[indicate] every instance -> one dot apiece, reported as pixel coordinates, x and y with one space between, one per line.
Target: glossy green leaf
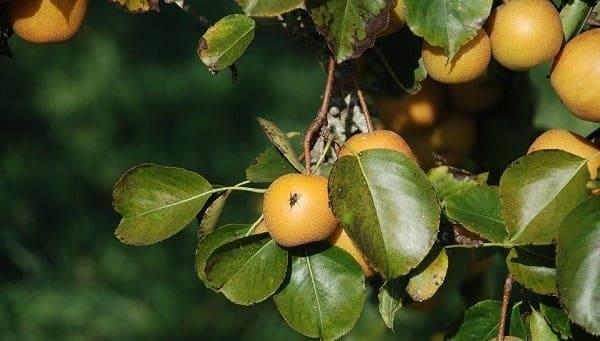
549 112
427 282
448 180
532 270
281 141
226 41
558 320
268 166
478 209
268 8
578 265
387 206
213 241
481 322
210 214
539 329
247 270
538 191
390 301
517 325
574 16
324 294
447 23
350 26
156 202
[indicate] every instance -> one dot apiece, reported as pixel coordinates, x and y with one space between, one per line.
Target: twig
361 99
508 284
321 118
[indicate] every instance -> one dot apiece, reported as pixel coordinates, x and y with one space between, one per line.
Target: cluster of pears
296 206
519 35
46 21
439 118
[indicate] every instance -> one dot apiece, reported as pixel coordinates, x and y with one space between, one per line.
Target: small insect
293 199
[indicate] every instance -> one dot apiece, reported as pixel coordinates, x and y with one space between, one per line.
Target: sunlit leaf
226 41
532 271
578 265
539 328
268 8
426 283
390 301
447 23
156 202
538 191
387 206
247 270
324 294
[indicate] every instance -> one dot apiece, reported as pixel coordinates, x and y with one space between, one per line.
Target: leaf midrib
563 186
314 286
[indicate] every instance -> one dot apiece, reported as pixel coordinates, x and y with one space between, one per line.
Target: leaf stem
463 246
361 99
330 139
321 118
508 284
235 188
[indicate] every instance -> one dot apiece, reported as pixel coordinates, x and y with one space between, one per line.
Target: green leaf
573 17
517 325
325 293
481 322
558 320
390 301
226 41
156 202
539 329
426 282
478 209
447 23
281 142
137 6
213 241
247 270
268 8
210 214
449 180
549 112
578 265
350 26
269 166
388 208
532 271
538 191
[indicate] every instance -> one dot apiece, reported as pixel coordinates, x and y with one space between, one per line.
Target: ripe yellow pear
476 95
341 239
561 139
576 75
411 112
379 139
525 33
469 63
296 210
46 21
397 19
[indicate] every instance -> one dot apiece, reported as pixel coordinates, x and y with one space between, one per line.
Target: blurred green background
130 89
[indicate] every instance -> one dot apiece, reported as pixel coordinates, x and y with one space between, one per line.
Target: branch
321 118
508 284
361 99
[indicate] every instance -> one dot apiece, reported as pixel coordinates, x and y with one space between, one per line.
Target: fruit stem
330 139
361 99
508 284
321 118
254 225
